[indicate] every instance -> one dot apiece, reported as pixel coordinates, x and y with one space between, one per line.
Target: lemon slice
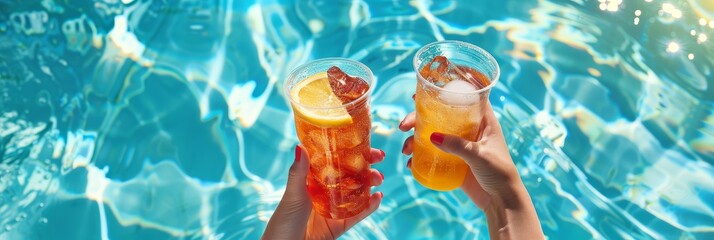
318 104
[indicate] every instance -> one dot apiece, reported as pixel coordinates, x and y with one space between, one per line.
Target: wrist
501 206
513 216
289 219
496 217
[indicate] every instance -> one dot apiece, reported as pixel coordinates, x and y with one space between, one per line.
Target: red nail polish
413 96
381 175
297 153
381 195
382 152
409 163
437 138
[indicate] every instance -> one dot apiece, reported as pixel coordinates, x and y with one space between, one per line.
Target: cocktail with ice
330 101
453 82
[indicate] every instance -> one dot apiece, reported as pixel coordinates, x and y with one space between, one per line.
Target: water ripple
155 119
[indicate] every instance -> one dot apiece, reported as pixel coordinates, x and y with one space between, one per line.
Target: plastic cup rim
468 45
288 90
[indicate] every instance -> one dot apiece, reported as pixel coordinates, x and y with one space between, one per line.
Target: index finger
408 122
377 155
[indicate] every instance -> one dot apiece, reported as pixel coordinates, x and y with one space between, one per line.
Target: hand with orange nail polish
294 218
494 184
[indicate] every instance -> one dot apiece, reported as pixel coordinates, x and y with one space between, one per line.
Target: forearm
288 222
513 218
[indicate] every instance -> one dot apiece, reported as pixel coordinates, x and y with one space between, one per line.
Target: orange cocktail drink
453 82
330 101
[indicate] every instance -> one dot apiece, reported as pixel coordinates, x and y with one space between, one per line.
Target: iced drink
453 82
330 101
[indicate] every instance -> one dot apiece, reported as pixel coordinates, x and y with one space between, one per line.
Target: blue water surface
165 119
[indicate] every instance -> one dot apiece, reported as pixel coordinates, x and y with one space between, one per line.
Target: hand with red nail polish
494 184
295 217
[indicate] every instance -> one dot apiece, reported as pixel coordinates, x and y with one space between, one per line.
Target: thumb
465 149
294 209
296 187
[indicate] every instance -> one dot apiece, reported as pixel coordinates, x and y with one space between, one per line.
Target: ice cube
318 138
347 88
350 139
354 162
454 93
441 71
329 176
350 183
318 161
436 71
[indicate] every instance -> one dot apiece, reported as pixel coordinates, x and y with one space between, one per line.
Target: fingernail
297 153
382 152
437 138
400 124
404 148
409 163
381 195
413 96
381 175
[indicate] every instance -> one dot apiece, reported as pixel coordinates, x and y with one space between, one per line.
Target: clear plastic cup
337 139
450 107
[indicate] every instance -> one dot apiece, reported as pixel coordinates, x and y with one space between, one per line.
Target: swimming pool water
158 119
